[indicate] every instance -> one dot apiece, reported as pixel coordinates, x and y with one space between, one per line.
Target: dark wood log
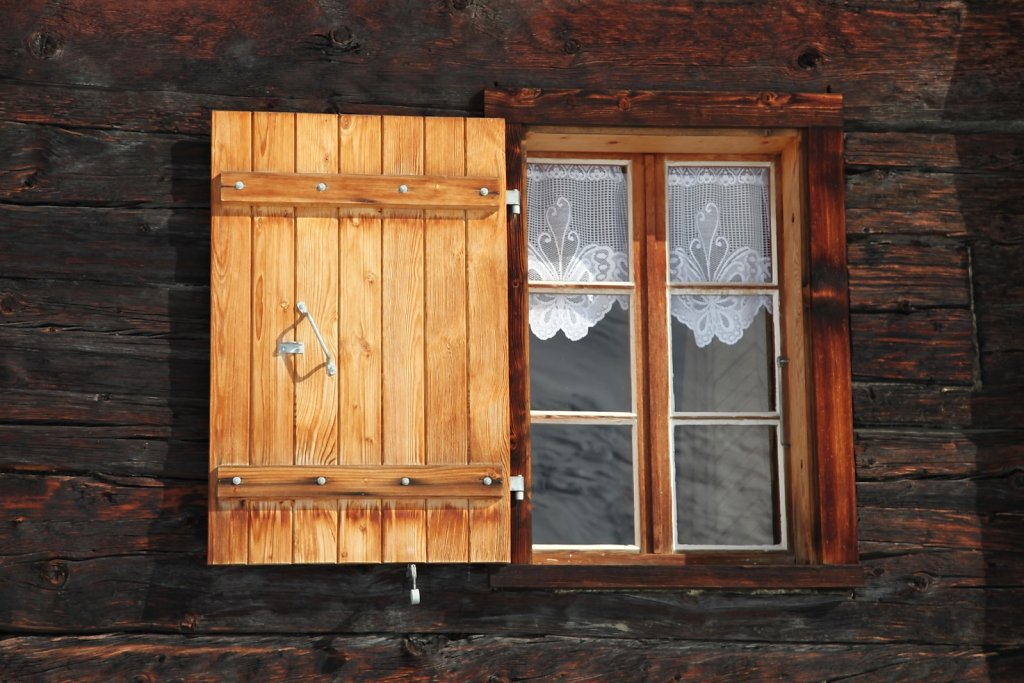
361 52
908 405
932 346
911 202
970 152
171 594
67 359
177 313
888 275
50 165
418 658
980 496
107 451
150 416
123 246
87 517
963 529
912 454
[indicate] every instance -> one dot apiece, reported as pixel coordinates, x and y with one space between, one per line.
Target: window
659 347
386 418
702 484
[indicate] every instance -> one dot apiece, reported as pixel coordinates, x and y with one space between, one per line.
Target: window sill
753 577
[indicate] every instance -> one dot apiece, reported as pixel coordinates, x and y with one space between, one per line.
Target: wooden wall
104 259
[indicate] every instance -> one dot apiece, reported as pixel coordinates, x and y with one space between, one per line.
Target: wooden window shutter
379 225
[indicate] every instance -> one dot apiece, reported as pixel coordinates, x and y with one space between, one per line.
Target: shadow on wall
984 108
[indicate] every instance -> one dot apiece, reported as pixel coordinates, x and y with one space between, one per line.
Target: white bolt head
239 185
403 188
237 481
484 192
320 187
405 481
320 481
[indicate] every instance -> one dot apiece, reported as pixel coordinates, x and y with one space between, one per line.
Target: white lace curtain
578 232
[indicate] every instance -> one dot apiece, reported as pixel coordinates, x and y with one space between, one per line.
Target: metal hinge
514 201
517 486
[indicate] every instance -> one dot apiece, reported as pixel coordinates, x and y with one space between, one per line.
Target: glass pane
719 224
722 354
726 485
590 374
578 222
583 484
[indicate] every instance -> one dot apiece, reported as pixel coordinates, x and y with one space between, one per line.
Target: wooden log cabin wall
105 333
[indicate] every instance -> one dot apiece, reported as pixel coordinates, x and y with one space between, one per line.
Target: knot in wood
45 45
571 46
55 572
809 58
461 4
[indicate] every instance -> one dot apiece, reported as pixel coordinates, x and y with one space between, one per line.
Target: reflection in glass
720 377
582 484
726 486
590 374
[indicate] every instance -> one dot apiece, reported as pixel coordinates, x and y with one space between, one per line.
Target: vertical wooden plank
830 340
359 362
404 521
445 338
273 320
315 527
487 317
519 346
792 247
230 254
659 435
639 225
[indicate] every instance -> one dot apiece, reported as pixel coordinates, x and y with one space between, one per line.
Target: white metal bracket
517 486
513 199
414 593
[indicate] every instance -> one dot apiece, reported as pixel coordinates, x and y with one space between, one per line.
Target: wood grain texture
230 320
359 352
273 320
447 393
663 108
830 334
315 532
402 335
104 317
435 190
487 315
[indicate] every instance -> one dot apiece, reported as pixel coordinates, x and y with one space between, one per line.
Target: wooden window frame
828 557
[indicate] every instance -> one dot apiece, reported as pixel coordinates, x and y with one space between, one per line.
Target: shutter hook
332 370
414 593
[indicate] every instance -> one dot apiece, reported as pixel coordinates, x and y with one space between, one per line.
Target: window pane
726 485
582 484
716 375
578 222
719 224
590 374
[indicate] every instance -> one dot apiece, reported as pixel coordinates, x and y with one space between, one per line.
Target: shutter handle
332 370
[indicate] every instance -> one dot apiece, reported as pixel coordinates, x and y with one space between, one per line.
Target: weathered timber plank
905 404
888 201
158 310
51 165
982 497
376 53
931 346
413 658
893 276
109 450
994 152
124 246
78 517
68 359
964 529
150 415
169 111
170 594
885 454
905 563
